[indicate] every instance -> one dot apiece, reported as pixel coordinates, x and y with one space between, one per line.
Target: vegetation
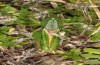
69 28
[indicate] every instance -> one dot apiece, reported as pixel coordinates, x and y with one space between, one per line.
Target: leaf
61 1
96 45
97 24
33 22
96 37
92 62
91 50
9 10
1 4
11 30
7 41
89 56
73 1
54 4
96 31
54 43
37 36
23 13
97 11
73 54
45 40
4 29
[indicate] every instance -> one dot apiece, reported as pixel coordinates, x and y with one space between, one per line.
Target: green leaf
73 54
23 13
91 50
89 56
37 36
9 10
77 19
54 43
92 62
96 37
73 1
34 22
4 29
45 40
1 4
7 41
78 63
97 24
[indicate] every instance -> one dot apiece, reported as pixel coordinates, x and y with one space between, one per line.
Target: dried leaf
54 4
61 1
96 31
21 40
95 9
